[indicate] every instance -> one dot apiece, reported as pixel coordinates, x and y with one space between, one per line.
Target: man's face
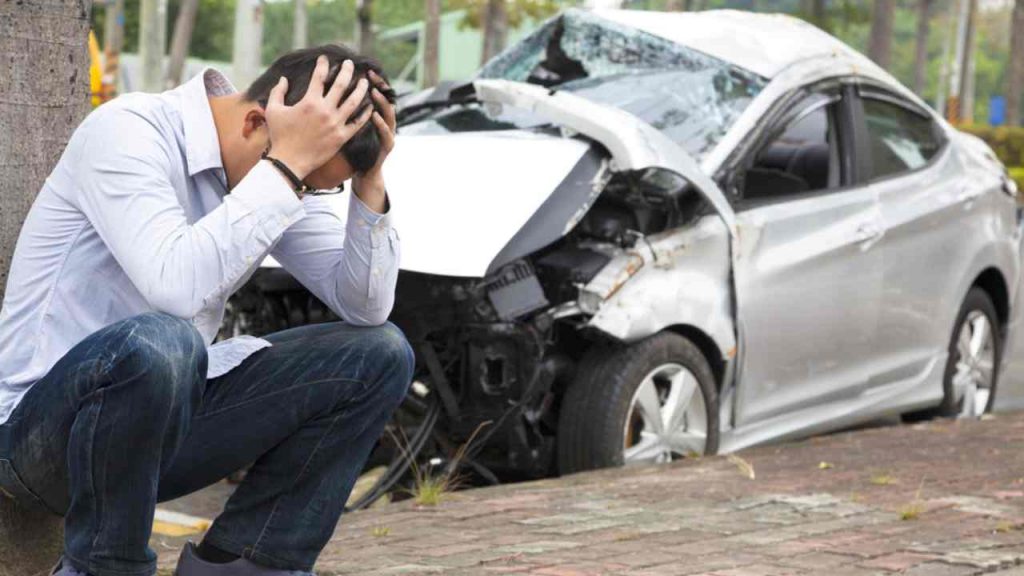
330 175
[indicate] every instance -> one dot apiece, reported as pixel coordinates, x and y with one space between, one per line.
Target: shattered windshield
691 97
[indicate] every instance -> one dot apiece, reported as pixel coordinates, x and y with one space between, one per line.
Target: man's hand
370 185
305 136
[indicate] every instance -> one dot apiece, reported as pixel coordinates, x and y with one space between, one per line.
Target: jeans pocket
12 487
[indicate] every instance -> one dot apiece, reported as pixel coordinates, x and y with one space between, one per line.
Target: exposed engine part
515 291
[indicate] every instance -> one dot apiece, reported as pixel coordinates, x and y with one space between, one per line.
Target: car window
899 140
803 158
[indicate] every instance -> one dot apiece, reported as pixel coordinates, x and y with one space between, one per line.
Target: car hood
457 199
466 203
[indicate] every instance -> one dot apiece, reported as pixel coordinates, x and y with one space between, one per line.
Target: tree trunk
42 109
113 41
246 53
180 42
880 45
431 43
924 11
152 43
495 29
815 11
1016 67
364 30
676 5
967 65
300 30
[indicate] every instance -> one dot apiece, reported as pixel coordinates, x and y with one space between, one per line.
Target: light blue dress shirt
136 217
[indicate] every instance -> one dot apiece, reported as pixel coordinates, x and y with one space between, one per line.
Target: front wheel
652 401
975 350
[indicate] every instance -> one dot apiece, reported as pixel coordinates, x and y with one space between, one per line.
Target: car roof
764 44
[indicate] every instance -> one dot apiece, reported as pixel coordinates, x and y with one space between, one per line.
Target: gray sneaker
190 564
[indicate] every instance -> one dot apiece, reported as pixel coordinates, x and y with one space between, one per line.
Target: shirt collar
202 149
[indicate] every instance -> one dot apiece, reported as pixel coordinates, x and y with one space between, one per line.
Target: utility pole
300 32
248 41
432 44
944 73
152 42
113 42
956 75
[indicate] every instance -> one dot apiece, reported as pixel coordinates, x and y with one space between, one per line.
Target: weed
882 479
825 465
914 509
380 531
745 467
430 488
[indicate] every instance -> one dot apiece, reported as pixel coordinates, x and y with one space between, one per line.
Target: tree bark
1016 67
364 28
300 29
815 11
432 43
152 43
43 97
924 12
495 29
180 42
880 45
676 5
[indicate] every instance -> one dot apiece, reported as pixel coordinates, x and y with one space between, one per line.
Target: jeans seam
98 507
305 467
276 392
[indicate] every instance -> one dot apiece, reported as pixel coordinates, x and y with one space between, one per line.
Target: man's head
358 154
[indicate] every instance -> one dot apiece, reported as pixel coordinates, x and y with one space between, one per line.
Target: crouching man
112 398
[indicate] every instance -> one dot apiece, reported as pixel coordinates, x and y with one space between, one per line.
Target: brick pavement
933 499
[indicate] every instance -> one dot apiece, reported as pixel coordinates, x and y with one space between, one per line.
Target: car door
929 212
807 270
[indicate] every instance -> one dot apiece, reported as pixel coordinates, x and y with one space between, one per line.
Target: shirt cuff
264 187
359 208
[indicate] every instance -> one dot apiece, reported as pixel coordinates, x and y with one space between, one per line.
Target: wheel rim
975 365
667 417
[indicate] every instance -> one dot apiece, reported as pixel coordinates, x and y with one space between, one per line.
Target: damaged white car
638 236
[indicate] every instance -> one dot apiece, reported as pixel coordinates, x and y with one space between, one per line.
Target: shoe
190 564
62 569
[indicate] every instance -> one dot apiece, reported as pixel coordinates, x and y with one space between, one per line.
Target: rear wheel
652 401
975 351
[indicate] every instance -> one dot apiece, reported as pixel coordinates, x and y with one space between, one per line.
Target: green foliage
1006 141
211 39
518 11
1017 173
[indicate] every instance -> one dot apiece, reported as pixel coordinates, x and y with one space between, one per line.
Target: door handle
868 235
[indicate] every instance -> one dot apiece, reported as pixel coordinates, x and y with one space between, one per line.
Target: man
111 397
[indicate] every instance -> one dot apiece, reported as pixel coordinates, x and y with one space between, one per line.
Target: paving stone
703 517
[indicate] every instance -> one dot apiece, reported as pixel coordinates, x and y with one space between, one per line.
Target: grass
883 479
429 487
913 509
380 531
1017 173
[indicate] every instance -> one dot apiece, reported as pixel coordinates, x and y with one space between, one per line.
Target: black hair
297 66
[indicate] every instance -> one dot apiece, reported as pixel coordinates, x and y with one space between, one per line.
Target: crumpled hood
457 199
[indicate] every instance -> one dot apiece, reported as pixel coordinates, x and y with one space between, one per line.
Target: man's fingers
341 82
378 81
277 94
353 127
387 136
352 103
319 78
387 109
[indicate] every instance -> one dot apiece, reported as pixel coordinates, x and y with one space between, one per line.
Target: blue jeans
127 419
